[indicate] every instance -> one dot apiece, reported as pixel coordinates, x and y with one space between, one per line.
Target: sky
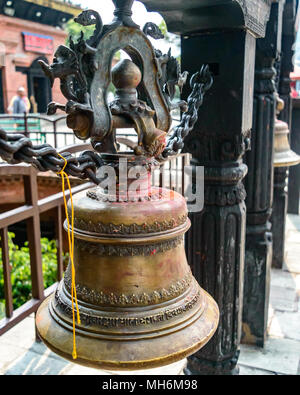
140 16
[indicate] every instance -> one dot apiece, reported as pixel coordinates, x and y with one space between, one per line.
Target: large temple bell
139 304
283 155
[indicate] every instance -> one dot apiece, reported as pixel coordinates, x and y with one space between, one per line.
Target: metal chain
200 83
15 148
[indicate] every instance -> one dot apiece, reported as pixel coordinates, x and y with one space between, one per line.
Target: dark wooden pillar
280 203
215 244
259 184
294 176
222 35
286 60
279 215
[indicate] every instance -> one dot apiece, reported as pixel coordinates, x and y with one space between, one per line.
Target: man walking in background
19 103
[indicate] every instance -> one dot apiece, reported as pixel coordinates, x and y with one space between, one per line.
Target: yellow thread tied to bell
64 176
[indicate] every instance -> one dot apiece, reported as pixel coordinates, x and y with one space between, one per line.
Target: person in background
19 103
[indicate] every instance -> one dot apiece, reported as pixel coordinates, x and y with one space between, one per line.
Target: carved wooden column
286 61
259 184
278 218
294 172
215 245
222 35
294 176
279 215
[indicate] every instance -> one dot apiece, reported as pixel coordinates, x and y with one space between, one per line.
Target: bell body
283 155
140 306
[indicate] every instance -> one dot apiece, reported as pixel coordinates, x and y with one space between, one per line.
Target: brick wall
11 41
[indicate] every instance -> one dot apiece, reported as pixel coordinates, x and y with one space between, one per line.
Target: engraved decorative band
110 322
128 250
91 296
121 229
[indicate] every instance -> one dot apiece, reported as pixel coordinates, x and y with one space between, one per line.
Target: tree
171 38
74 29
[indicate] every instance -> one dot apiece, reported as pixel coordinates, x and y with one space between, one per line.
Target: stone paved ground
281 354
21 355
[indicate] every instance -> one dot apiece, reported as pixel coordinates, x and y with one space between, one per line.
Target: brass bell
283 155
140 306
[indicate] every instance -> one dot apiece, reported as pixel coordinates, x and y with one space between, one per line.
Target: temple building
30 30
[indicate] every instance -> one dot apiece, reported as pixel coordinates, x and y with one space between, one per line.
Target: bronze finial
123 13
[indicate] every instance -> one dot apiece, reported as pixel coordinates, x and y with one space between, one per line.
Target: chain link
15 148
200 83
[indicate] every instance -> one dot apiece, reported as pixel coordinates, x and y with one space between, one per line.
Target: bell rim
209 320
289 159
193 294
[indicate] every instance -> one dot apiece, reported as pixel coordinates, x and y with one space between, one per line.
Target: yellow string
64 176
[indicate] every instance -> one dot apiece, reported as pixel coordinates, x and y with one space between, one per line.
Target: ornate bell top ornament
283 155
143 102
145 86
139 305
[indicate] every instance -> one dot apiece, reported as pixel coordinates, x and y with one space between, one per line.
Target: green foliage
163 28
21 275
173 39
74 29
2 309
